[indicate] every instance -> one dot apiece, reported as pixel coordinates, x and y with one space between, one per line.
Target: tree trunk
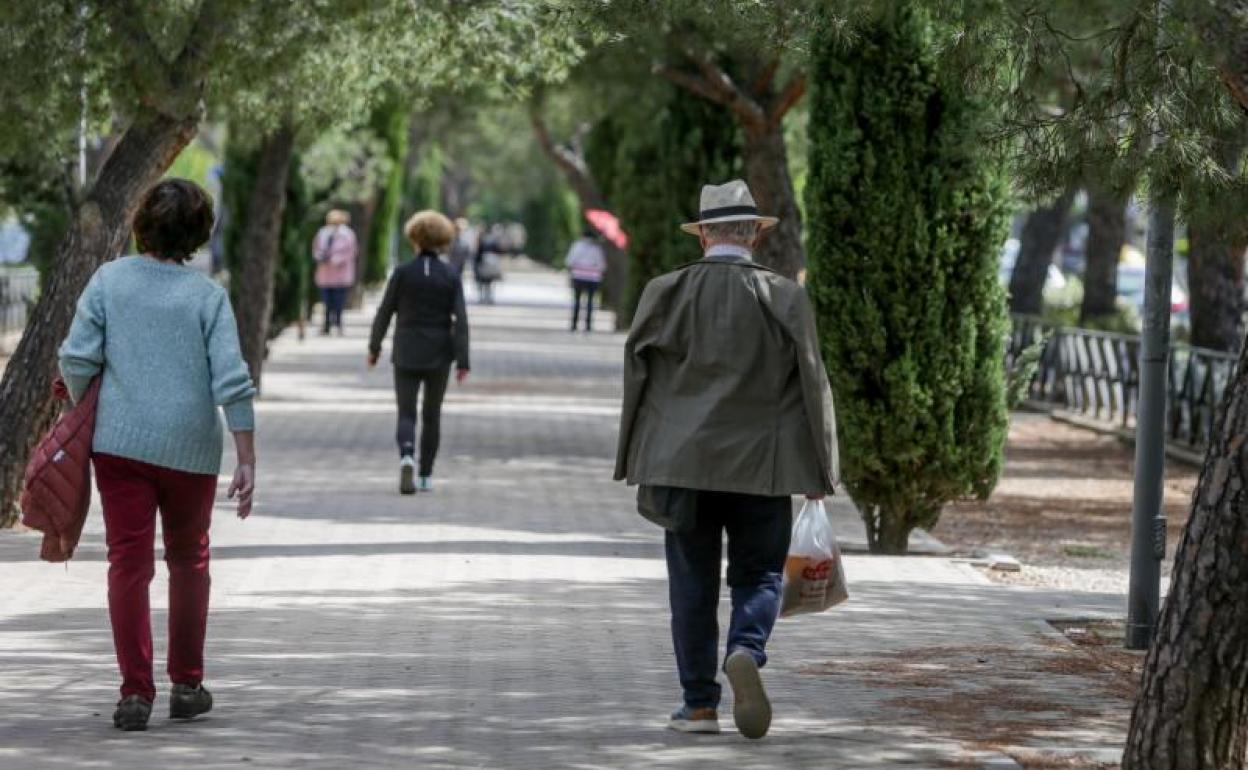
362 215
100 229
1107 231
1043 231
767 173
1215 271
261 246
1192 713
888 531
1217 235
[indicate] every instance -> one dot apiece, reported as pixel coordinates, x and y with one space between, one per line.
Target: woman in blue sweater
163 338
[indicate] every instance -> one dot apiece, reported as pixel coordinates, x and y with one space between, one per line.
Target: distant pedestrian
430 335
463 248
487 266
335 250
587 262
163 338
727 412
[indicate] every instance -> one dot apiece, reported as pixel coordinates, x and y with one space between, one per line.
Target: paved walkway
514 619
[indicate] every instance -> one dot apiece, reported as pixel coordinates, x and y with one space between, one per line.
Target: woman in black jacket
430 335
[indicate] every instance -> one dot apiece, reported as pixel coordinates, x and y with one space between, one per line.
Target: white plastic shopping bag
814 578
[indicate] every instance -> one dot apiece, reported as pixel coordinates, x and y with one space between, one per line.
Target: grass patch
1084 551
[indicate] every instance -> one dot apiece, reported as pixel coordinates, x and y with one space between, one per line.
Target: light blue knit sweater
165 339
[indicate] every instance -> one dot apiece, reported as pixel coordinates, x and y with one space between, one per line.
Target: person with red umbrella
587 262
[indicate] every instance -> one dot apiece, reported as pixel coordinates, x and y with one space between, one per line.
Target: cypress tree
550 217
906 216
389 121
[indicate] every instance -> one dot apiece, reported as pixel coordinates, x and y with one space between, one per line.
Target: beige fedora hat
728 202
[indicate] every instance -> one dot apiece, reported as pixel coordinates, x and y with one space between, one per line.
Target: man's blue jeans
758 541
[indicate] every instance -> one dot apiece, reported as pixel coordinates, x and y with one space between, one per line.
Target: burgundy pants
132 492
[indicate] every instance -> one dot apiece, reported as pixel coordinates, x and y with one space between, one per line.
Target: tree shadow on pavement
491 672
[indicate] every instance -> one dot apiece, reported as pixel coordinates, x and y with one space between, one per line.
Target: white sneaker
407 476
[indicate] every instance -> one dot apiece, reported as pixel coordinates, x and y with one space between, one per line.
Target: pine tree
906 216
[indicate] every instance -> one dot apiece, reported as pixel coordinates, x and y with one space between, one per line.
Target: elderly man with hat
727 413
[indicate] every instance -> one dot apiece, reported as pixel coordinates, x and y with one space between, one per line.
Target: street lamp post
1148 520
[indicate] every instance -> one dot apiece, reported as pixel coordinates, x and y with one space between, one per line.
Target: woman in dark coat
430 335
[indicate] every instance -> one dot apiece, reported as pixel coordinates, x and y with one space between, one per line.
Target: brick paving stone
516 618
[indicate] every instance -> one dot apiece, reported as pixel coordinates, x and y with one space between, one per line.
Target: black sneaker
132 713
186 702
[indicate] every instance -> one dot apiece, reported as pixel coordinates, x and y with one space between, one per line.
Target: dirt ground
1063 506
1008 700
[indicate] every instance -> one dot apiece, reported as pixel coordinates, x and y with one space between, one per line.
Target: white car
1131 289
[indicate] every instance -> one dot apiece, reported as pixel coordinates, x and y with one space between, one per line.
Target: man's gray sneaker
750 708
132 713
186 702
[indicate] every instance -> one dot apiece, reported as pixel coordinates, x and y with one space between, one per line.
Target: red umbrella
606 223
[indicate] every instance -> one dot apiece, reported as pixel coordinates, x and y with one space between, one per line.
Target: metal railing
19 288
1096 374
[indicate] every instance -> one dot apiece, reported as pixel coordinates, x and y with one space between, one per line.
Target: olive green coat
724 386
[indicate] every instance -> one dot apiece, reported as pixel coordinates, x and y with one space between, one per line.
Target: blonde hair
429 230
337 217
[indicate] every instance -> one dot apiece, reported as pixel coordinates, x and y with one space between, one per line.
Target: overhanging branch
691 83
571 164
790 95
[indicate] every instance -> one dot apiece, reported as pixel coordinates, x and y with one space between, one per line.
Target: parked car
14 242
1054 281
1131 289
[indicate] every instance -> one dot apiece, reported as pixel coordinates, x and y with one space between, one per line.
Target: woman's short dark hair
174 219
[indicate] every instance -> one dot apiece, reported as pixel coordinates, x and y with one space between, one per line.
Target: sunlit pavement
516 617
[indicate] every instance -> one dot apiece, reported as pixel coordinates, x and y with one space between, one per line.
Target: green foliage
907 217
1062 308
292 286
346 165
422 189
389 121
1020 375
195 163
1106 88
317 65
292 278
551 221
41 196
651 158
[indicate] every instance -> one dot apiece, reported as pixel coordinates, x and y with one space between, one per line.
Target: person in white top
587 262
